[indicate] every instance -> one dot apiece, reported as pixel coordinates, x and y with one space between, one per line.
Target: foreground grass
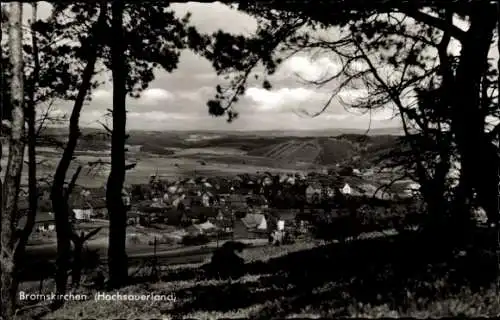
393 277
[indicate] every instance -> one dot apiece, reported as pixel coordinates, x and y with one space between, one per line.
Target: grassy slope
263 153
322 150
328 151
391 277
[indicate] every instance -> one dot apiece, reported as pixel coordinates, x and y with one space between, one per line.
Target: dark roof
284 214
41 217
98 203
206 211
225 223
44 205
252 221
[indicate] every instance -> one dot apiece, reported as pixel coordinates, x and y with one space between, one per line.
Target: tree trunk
117 257
467 120
76 272
14 166
2 108
60 205
31 141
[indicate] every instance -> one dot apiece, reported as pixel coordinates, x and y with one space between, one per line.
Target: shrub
195 240
330 227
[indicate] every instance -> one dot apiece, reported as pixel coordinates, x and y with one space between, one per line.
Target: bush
225 262
331 227
195 240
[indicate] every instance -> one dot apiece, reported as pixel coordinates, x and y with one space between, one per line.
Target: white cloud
310 69
101 94
202 93
155 95
206 17
336 116
282 98
156 116
351 95
383 114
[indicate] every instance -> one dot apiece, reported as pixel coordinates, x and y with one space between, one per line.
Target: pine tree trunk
76 272
13 171
58 197
31 141
117 257
467 118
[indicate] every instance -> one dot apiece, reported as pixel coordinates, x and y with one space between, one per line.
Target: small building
44 222
202 213
133 218
281 225
207 199
181 202
330 192
83 214
313 190
176 218
202 228
176 235
251 226
225 225
220 215
346 190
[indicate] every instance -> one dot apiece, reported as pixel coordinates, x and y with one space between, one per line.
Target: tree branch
438 23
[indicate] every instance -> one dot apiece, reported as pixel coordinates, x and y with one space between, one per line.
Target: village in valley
249 159
197 210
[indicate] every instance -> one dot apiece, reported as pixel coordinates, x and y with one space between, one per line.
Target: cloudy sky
177 101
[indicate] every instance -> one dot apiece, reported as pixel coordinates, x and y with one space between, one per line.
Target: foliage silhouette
396 271
397 52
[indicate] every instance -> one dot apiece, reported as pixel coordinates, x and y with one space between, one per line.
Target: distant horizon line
252 130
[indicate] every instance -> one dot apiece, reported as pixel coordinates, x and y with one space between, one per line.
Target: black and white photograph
249 159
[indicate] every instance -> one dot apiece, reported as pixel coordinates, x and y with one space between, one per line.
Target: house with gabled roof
44 222
251 226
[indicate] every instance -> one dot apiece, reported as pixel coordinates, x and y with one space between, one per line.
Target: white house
125 197
83 214
412 188
291 180
267 181
202 228
205 199
453 175
207 185
178 200
255 221
346 189
479 215
281 225
172 189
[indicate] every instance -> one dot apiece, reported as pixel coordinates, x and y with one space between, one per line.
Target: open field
184 154
168 167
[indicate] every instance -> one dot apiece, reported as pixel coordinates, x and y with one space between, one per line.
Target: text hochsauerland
133 297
